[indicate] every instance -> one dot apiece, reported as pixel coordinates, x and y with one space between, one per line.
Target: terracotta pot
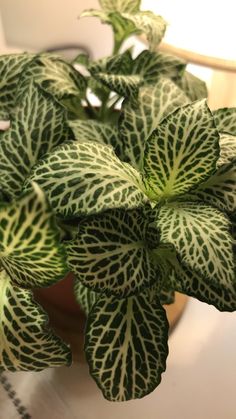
68 320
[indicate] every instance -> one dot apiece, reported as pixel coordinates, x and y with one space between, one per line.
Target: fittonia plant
137 202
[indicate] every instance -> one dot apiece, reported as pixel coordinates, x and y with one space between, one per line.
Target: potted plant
137 201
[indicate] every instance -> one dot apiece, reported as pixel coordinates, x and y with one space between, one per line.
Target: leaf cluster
137 200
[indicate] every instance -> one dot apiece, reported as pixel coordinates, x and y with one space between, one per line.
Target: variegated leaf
141 117
86 178
4 116
30 251
101 132
200 235
11 67
124 85
125 6
115 64
55 76
225 119
165 295
220 189
26 344
182 151
39 124
191 282
85 297
153 26
112 253
192 86
227 149
126 346
152 65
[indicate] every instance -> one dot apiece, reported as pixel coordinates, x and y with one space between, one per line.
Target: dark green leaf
112 253
126 346
192 86
200 235
39 124
141 117
225 119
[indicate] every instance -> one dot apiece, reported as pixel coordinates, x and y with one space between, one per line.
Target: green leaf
200 235
30 251
225 119
193 284
86 178
126 6
126 346
116 73
4 115
227 149
11 67
152 65
153 26
101 132
26 344
39 124
192 86
112 253
220 189
54 76
183 151
141 117
124 85
85 297
115 64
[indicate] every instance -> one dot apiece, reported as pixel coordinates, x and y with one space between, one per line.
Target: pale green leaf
39 124
85 297
86 178
225 119
141 117
201 237
153 26
112 253
192 86
30 251
126 346
227 149
11 67
125 6
26 343
183 151
220 189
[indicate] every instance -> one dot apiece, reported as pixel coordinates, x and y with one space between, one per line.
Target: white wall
32 24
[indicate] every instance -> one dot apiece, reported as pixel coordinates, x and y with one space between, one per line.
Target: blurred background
203 32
